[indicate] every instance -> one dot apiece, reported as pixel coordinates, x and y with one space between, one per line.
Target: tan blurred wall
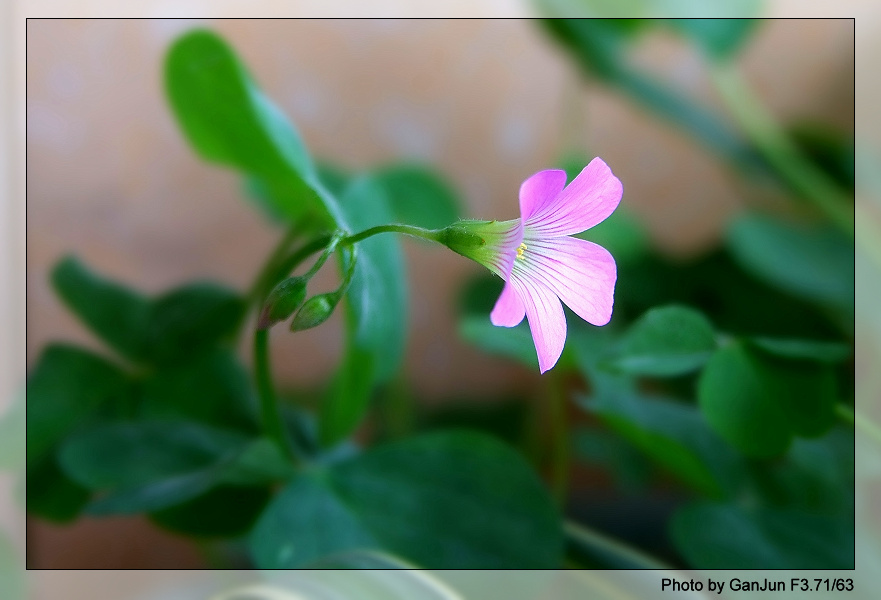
488 102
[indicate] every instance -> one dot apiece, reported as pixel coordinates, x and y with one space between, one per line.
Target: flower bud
315 311
283 300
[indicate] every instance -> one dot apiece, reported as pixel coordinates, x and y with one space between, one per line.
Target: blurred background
486 103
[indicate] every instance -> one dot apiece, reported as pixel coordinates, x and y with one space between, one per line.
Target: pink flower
542 265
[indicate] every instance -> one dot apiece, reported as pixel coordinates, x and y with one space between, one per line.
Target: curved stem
426 234
784 156
270 414
851 417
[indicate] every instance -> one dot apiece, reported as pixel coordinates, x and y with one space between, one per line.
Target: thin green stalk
851 417
433 235
770 139
270 412
560 440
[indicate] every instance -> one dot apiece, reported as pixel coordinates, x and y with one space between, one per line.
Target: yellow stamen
520 250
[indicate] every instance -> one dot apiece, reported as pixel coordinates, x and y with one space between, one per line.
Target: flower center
520 250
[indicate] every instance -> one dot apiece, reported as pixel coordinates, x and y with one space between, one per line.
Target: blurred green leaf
417 195
224 511
510 342
478 295
114 313
812 261
724 536
228 120
376 314
805 390
826 352
717 38
64 390
51 494
260 462
213 388
666 341
145 466
829 149
622 235
174 326
444 500
737 400
599 47
505 418
676 436
189 320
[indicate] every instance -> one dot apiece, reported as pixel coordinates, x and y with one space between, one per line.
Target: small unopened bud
315 311
282 301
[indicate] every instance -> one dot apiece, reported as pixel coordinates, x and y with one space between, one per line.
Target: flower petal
581 273
546 320
587 201
540 190
509 309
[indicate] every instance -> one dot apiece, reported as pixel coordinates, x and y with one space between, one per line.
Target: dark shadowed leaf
213 388
51 494
190 320
66 389
812 261
826 352
114 313
736 397
224 511
724 536
446 500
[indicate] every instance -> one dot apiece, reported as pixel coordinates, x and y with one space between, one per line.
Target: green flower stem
270 413
851 417
433 235
560 439
770 139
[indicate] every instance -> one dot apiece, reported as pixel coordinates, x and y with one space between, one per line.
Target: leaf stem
270 413
783 155
560 435
433 235
851 417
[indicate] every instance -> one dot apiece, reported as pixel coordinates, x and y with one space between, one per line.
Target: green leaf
676 436
376 314
723 536
213 388
717 38
419 196
825 352
812 261
146 465
260 462
510 342
228 120
737 400
444 501
114 313
806 392
64 391
666 341
189 320
51 494
224 511
597 551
